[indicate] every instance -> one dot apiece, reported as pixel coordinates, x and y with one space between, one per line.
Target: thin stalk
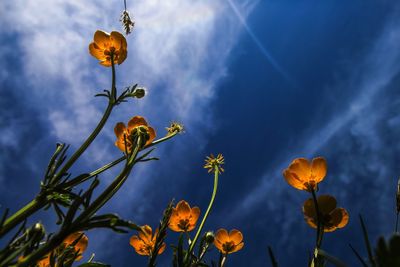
223 260
320 230
214 193
397 222
319 235
30 208
98 128
79 180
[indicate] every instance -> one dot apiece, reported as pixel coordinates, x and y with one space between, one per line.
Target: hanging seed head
127 22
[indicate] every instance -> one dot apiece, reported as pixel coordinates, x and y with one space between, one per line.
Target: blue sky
262 82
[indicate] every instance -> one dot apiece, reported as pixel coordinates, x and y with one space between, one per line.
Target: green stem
214 193
30 208
397 222
98 128
319 228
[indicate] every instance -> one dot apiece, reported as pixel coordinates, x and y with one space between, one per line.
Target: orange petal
318 169
236 236
96 51
195 213
340 217
293 180
119 130
174 227
101 38
326 204
183 209
222 236
122 56
152 134
136 121
138 245
118 41
301 167
147 233
238 247
105 63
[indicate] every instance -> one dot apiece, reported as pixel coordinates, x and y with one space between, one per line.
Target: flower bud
209 237
139 93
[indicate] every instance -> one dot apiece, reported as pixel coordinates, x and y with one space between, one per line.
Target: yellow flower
331 217
105 45
228 242
183 218
303 175
80 246
125 135
144 243
213 163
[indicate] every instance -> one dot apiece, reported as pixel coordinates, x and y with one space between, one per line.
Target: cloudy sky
262 82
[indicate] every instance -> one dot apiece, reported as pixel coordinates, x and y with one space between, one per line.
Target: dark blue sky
262 82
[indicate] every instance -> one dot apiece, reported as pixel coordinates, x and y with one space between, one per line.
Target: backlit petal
119 130
293 180
117 40
238 247
152 134
318 169
183 209
302 168
195 212
236 236
101 38
340 217
136 121
222 236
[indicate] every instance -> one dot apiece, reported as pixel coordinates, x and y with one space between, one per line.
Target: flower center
183 224
228 246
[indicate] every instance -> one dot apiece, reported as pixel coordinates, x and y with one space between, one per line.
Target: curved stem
214 193
98 128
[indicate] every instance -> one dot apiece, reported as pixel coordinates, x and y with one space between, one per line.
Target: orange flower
305 176
228 243
126 135
105 44
331 217
183 218
145 242
80 246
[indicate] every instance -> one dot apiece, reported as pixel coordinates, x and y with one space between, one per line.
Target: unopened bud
209 237
139 93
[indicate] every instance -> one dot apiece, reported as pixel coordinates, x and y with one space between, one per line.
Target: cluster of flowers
184 219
